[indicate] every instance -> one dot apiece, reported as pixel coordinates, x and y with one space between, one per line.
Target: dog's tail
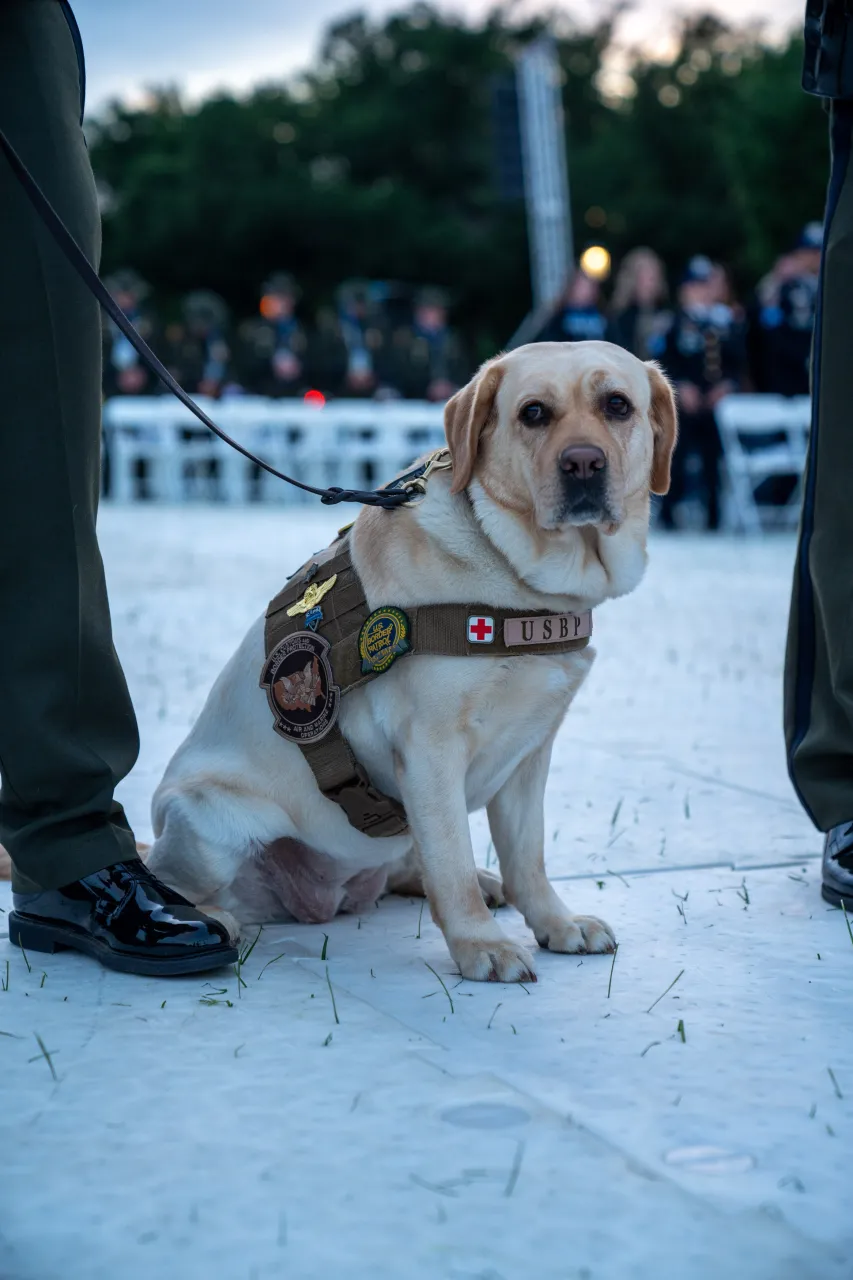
6 862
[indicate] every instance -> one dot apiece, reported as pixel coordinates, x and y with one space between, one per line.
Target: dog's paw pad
578 935
498 961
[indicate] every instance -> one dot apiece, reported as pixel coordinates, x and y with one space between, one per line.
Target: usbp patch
382 639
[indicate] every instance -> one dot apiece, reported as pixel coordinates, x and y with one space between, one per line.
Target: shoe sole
33 935
837 899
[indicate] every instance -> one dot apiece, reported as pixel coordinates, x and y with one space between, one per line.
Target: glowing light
595 262
270 306
315 399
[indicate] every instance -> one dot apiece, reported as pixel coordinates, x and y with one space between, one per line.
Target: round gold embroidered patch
382 639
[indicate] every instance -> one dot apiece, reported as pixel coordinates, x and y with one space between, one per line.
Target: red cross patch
481 630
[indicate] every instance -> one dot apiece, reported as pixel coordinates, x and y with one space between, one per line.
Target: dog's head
564 433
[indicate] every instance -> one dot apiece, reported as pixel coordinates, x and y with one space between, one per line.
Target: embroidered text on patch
548 629
383 637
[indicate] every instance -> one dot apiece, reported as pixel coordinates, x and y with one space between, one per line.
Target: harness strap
440 629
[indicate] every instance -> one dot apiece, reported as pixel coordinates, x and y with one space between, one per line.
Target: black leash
392 497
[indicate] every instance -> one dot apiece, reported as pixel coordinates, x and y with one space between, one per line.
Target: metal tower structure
546 183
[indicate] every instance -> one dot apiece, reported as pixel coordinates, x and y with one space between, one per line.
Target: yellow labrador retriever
555 450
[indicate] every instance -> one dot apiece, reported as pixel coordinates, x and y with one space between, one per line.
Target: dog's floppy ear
465 415
664 419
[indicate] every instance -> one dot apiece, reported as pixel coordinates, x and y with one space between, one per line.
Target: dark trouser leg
678 472
67 729
708 444
819 664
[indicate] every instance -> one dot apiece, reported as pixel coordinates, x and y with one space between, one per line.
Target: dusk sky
200 45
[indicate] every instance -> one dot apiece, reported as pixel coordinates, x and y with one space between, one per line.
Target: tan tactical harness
432 629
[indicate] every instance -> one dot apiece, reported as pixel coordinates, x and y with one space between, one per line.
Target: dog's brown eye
618 406
535 414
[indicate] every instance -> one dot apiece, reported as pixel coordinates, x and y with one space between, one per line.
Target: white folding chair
742 421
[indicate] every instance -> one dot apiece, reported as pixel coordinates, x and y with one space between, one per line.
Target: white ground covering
559 1132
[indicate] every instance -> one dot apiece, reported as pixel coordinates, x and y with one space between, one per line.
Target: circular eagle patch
300 686
384 636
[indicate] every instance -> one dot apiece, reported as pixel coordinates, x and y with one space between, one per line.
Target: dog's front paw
491 887
484 960
576 935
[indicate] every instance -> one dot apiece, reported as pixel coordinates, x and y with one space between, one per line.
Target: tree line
383 161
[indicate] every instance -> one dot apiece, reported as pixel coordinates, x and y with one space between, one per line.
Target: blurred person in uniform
782 318
639 317
361 336
68 733
326 354
425 359
577 315
272 345
703 354
200 356
819 660
124 372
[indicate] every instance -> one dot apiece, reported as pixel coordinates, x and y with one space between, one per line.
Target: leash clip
416 488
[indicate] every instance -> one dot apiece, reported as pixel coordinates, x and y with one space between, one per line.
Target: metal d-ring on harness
404 490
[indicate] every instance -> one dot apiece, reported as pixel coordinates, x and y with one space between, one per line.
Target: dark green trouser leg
819 665
67 728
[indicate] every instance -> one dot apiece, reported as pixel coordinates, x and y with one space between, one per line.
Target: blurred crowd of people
378 341
383 341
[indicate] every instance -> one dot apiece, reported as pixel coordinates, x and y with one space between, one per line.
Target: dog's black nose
583 461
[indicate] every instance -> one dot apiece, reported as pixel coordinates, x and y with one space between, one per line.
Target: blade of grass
838 1092
515 1170
491 1020
332 994
245 956
612 966
847 920
680 1030
325 946
26 961
45 1053
420 917
661 996
269 962
441 980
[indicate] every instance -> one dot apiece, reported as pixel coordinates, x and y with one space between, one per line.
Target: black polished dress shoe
126 918
838 866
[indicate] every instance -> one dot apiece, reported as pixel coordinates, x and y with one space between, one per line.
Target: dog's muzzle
583 480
